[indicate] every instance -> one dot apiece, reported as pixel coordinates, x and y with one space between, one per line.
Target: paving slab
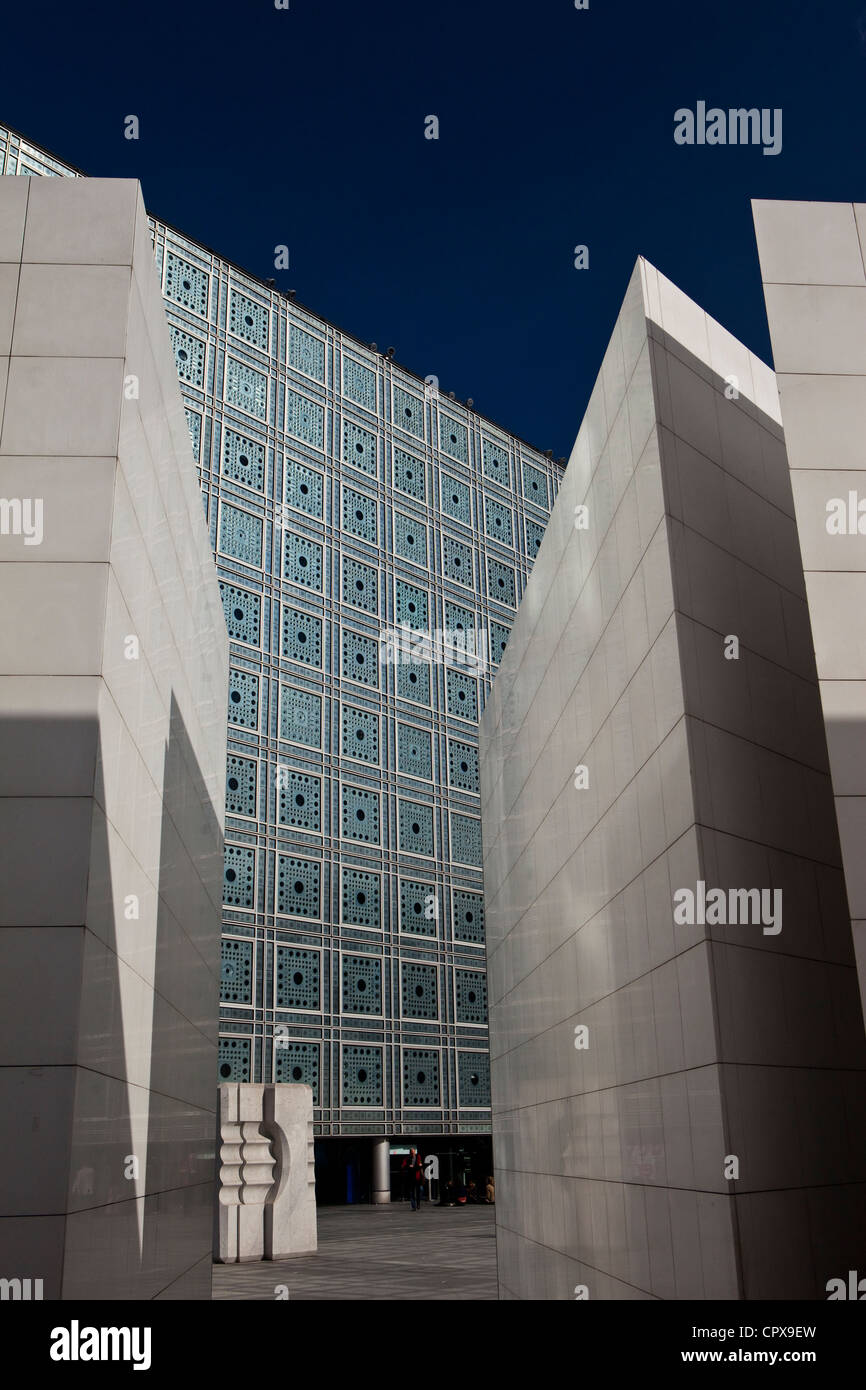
388 1252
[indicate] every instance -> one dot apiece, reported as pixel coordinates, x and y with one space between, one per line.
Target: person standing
414 1177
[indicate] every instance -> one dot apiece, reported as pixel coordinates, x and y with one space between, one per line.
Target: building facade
346 497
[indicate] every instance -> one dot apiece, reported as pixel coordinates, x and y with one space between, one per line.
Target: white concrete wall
812 265
703 1041
112 792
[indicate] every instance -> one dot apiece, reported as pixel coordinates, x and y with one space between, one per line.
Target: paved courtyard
380 1252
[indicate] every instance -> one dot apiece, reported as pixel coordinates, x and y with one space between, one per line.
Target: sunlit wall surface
113 668
676 1035
812 264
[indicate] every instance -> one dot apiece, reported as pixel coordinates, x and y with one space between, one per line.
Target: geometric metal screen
346 497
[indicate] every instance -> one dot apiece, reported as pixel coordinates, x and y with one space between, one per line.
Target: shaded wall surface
113 671
812 265
678 1104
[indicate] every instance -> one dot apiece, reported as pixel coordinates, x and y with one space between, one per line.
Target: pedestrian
490 1192
413 1178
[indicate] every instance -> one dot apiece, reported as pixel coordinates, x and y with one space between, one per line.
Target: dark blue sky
306 127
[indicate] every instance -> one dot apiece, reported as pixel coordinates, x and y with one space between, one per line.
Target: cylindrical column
381 1171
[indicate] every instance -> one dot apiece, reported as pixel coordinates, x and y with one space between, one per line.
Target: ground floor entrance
454 1165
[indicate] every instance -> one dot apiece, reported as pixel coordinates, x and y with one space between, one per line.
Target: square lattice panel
361 981
240 786
297 978
360 815
298 886
298 1062
419 908
360 734
362 897
420 1076
301 717
418 990
362 1076
416 827
299 799
301 637
467 916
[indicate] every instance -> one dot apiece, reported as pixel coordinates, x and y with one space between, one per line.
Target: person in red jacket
413 1178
